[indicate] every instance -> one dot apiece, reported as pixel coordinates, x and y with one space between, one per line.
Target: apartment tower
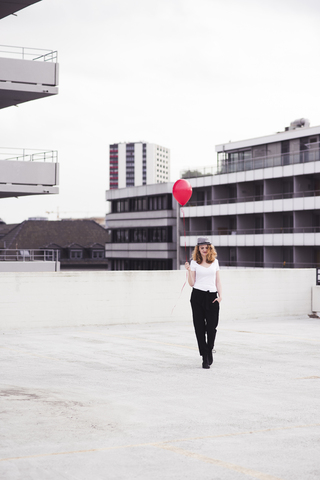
137 164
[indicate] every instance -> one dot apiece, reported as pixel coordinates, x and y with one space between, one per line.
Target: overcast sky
186 75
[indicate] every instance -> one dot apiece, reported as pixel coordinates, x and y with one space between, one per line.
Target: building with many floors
142 228
261 207
139 163
25 75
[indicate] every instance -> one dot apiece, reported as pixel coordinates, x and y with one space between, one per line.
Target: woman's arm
191 275
219 287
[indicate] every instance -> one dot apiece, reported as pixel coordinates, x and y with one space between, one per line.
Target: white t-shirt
205 276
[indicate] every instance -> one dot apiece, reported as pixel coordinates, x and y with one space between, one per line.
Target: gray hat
203 241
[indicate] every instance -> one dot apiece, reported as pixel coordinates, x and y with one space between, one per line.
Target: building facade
136 164
262 206
142 228
25 75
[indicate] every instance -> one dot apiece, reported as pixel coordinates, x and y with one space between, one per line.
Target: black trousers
205 319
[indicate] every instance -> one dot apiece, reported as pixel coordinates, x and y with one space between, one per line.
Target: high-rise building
137 164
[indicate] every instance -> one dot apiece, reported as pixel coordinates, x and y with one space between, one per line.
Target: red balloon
182 191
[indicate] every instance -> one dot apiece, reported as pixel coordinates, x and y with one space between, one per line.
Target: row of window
141 264
73 254
140 204
142 235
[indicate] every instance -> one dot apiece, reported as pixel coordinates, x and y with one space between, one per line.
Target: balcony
27 74
305 237
28 172
254 198
225 165
305 156
255 231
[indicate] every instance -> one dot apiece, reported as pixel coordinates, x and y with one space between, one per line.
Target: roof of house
6 228
33 234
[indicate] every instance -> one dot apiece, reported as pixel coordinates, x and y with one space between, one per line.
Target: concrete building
142 228
26 74
139 163
262 207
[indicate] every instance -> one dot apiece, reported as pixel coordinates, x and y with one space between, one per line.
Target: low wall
88 298
27 266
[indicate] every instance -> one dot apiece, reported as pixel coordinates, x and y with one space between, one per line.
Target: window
233 255
97 254
142 235
138 204
51 255
75 254
142 264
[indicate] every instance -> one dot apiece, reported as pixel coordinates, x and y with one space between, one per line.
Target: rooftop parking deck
131 401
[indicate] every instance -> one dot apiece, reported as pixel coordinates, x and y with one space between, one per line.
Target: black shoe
205 363
210 356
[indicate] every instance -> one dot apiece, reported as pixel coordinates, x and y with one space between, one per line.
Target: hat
203 241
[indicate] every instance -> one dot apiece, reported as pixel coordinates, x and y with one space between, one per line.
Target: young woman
204 277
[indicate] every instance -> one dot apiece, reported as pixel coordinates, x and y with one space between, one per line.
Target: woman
204 277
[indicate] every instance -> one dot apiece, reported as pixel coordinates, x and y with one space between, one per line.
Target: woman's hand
218 299
190 275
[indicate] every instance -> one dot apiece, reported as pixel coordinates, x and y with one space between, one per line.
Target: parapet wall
88 298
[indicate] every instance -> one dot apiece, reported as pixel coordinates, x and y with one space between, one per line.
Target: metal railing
28 255
305 156
226 165
28 155
254 198
26 53
254 231
262 264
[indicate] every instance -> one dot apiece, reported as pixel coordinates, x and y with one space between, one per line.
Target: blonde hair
211 255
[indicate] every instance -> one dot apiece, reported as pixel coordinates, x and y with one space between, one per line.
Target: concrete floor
132 402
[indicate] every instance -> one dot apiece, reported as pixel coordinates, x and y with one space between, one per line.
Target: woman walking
204 277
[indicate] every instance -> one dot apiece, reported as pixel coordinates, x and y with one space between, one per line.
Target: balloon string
185 247
184 231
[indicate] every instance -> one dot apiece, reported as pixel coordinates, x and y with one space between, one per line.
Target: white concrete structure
262 208
28 173
137 164
103 298
26 74
35 266
34 75
116 402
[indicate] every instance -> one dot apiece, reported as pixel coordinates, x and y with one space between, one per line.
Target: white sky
186 75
